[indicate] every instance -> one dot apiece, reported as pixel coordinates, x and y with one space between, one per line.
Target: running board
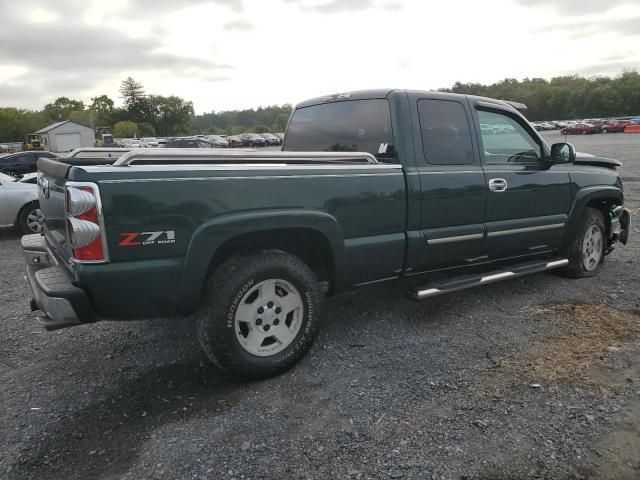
512 271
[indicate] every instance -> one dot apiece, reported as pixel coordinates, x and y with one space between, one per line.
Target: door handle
498 185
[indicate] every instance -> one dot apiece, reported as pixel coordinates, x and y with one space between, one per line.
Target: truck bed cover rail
97 152
150 156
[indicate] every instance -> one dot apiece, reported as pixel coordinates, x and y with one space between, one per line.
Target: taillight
84 222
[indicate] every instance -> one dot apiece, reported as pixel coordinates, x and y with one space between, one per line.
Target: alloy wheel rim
268 317
592 248
34 220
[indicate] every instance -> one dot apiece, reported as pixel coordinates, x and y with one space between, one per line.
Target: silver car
19 203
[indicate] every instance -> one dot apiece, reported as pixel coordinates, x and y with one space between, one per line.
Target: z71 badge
143 239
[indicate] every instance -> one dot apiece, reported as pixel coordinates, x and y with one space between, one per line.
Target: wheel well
604 205
309 245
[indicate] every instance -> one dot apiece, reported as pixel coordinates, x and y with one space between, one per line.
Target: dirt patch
589 334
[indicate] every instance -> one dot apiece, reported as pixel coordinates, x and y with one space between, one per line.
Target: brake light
84 223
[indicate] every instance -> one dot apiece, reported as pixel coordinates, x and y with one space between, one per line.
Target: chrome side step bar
512 271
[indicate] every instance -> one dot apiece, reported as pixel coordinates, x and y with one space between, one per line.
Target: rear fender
209 237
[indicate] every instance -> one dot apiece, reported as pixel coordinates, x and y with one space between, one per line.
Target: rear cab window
345 126
446 133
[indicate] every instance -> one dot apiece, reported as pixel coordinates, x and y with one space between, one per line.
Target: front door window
504 140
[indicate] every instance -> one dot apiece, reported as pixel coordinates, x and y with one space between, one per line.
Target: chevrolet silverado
371 186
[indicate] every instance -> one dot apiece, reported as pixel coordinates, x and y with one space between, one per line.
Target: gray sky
228 54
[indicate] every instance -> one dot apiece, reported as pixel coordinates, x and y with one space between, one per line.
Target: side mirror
562 153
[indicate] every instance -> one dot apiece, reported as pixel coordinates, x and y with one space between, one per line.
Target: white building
65 136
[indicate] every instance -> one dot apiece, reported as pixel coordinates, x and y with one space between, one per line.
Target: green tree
145 129
136 102
16 123
280 124
132 92
274 117
60 109
170 115
261 129
125 129
104 108
102 104
84 117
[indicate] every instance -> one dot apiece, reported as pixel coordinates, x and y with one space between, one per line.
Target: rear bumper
57 300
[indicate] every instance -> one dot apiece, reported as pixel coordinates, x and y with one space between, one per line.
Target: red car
580 129
615 126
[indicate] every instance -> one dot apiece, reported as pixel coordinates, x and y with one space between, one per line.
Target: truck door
452 183
528 199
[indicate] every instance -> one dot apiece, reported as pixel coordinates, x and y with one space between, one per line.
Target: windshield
351 126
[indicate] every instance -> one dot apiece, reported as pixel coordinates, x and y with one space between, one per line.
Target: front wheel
30 219
260 314
586 249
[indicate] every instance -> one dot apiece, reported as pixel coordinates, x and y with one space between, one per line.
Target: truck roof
385 92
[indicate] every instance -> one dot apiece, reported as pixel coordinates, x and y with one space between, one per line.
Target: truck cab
482 185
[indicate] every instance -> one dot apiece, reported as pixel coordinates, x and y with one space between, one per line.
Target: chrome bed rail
149 156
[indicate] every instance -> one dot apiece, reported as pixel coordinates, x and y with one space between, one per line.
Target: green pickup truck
371 186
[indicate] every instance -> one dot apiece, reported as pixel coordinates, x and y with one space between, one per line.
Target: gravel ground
534 378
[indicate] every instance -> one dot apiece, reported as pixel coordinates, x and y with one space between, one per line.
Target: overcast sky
231 54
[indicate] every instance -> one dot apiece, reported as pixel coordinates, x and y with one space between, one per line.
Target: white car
19 203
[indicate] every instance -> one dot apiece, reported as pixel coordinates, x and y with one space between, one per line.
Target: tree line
142 114
565 98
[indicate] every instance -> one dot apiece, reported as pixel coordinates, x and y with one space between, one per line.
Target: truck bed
201 199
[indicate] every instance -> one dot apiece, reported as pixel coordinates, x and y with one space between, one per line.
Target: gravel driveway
534 378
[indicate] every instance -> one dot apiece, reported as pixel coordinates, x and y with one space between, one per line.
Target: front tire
586 249
260 314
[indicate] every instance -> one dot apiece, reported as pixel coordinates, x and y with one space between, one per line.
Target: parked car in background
580 129
131 143
252 140
188 142
280 136
615 126
234 141
149 142
271 139
596 122
217 141
19 205
23 162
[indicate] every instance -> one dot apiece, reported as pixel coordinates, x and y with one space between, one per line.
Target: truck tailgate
51 194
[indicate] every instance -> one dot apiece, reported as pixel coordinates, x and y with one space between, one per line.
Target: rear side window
446 135
350 126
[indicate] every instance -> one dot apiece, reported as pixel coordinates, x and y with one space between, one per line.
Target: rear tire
586 249
30 219
260 314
